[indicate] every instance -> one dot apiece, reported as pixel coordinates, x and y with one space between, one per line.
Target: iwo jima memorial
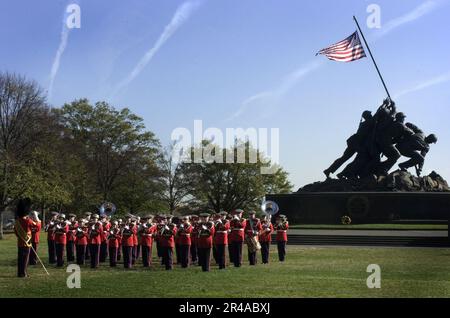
364 191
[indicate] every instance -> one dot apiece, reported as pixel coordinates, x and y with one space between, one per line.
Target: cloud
428 83
61 48
411 16
182 14
273 95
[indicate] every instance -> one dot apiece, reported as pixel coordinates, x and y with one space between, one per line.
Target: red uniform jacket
22 229
128 236
184 235
81 236
71 234
61 235
50 228
282 231
266 233
237 230
95 233
36 232
135 236
205 236
146 234
194 234
114 238
167 238
221 233
251 226
106 226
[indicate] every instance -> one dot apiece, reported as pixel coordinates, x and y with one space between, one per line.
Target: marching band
193 239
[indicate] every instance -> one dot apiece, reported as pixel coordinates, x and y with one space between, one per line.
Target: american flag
347 50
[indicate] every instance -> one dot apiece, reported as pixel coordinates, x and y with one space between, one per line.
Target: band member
160 223
205 241
106 225
214 217
136 248
230 248
252 228
95 231
168 242
184 241
281 226
177 221
222 226
119 249
50 229
265 238
61 230
194 235
81 241
127 234
35 236
70 246
113 243
87 217
22 229
147 229
236 236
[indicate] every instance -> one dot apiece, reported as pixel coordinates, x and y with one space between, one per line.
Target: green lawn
372 226
308 272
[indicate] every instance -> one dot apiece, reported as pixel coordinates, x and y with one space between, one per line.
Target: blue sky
243 63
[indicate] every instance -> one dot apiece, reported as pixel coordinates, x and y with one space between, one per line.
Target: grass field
372 226
307 272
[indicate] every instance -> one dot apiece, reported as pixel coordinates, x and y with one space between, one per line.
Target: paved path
406 233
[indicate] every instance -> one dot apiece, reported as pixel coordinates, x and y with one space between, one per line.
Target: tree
22 107
176 185
228 186
116 148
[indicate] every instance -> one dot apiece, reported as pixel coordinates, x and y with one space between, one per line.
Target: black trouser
220 254
265 247
127 256
103 252
94 250
33 257
119 252
70 251
159 250
184 255
281 250
112 256
134 254
88 252
214 252
204 258
138 251
167 257
146 255
81 254
230 253
51 252
236 249
60 254
23 254
251 257
194 255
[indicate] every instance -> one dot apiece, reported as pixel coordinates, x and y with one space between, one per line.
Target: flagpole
373 60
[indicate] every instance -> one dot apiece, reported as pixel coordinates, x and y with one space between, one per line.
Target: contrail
278 92
411 16
431 82
182 14
62 46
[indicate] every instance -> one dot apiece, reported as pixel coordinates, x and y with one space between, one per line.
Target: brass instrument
252 241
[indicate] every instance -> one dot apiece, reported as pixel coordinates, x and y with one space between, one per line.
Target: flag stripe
349 49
